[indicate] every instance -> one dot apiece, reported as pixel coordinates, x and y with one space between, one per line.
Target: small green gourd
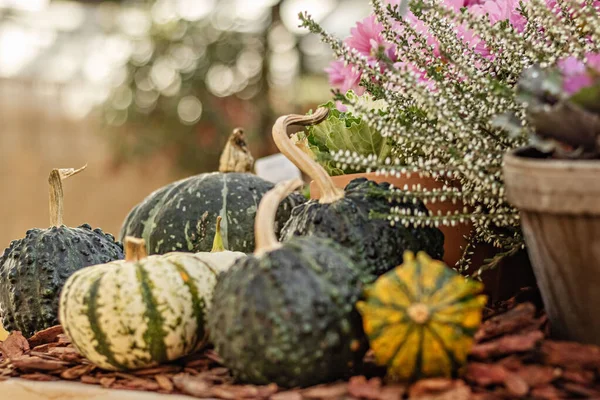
286 313
34 269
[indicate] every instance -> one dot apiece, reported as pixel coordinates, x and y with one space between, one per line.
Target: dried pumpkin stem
264 226
218 240
329 192
135 248
56 192
419 313
236 156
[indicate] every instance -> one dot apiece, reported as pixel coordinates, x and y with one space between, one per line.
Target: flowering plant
445 69
562 107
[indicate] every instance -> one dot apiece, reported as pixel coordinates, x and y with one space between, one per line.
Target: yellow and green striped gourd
142 311
420 318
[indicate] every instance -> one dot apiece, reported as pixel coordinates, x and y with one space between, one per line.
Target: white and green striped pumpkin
142 311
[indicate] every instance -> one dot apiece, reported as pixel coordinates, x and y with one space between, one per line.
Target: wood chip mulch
512 359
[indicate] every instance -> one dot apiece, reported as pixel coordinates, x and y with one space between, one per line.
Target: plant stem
218 240
56 192
264 227
236 156
135 249
329 192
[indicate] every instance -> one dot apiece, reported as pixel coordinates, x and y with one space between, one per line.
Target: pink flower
501 11
367 39
577 74
496 11
593 61
344 77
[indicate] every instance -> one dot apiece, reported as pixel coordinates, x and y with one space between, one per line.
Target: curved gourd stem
329 192
56 192
218 240
135 248
236 156
264 225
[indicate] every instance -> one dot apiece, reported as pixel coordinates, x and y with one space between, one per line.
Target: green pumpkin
286 314
34 269
178 217
346 216
142 311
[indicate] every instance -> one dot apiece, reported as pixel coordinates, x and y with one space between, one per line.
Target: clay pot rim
519 158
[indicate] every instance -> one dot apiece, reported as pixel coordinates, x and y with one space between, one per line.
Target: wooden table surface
14 388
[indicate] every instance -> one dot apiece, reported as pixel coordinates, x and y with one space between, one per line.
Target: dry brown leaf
191 371
89 379
360 387
69 354
571 354
63 340
192 385
287 395
43 355
440 389
485 374
37 376
106 381
28 362
516 385
486 395
511 321
267 390
537 375
392 392
507 345
77 371
213 356
161 369
578 376
123 375
60 351
548 392
137 383
431 385
580 390
328 391
512 362
164 382
14 346
46 336
200 363
215 375
232 392
43 348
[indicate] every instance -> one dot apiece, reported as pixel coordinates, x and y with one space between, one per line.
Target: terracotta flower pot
454 236
559 203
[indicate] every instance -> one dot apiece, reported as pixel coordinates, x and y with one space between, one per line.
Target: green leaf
588 98
343 131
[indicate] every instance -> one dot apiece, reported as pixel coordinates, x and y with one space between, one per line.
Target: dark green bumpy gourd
181 215
287 314
346 216
34 269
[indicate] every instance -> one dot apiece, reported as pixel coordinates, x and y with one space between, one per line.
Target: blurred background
145 92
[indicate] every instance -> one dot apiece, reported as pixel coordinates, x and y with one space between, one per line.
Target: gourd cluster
288 290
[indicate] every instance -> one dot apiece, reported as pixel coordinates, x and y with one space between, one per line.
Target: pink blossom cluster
367 38
578 74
